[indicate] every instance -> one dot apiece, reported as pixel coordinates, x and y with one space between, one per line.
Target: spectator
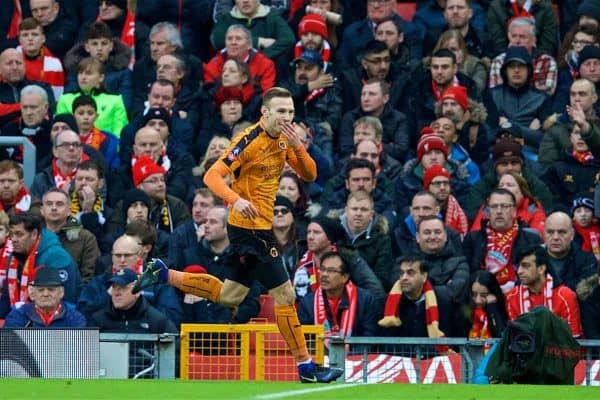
324 9
80 243
587 227
507 157
291 187
269 30
375 102
447 130
12 70
47 308
367 232
90 81
489 307
9 27
589 66
32 247
337 304
389 31
468 64
429 86
521 32
136 207
495 246
286 233
414 308
188 234
313 34
39 63
87 202
14 196
578 114
119 16
500 12
68 153
588 14
34 125
437 181
238 45
127 312
114 55
529 210
538 288
60 27
566 261
578 38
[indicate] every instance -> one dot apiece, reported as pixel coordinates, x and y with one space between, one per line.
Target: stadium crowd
457 155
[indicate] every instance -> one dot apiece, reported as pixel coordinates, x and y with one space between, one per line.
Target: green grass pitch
167 390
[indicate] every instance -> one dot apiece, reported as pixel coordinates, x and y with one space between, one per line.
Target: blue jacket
461 156
94 297
26 317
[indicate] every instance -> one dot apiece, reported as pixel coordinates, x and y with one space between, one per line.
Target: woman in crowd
489 315
291 186
284 229
529 210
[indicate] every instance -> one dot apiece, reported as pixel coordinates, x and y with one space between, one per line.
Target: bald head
558 234
148 143
126 252
12 68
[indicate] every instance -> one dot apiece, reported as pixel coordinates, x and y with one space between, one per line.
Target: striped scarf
480 328
9 271
344 326
432 317
455 217
325 52
524 296
498 258
76 206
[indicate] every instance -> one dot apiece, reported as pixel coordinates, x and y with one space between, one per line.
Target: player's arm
214 179
298 157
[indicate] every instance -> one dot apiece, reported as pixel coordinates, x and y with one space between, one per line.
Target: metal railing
28 156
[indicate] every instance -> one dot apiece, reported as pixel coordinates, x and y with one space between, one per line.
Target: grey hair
522 21
373 122
242 28
55 140
35 90
173 35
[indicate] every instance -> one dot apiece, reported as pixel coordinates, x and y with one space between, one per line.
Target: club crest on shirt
274 253
282 145
235 153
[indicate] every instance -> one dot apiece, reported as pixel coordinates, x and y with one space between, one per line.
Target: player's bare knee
283 295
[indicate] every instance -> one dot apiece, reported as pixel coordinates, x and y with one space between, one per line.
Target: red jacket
261 68
564 305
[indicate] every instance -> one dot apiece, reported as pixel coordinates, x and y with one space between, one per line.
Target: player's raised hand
289 130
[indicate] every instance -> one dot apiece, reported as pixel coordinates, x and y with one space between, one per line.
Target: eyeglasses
124 255
75 145
440 183
503 207
281 211
330 271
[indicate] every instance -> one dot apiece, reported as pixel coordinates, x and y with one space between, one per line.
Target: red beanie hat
432 172
458 94
228 93
313 23
431 142
143 168
427 130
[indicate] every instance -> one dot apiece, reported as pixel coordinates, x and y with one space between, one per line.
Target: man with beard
14 196
469 120
427 92
312 31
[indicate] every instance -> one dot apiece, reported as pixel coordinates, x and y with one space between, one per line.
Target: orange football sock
203 285
291 330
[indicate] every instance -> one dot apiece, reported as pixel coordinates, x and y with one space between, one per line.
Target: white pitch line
292 393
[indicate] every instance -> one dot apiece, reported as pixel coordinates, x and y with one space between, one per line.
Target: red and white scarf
325 52
455 217
524 296
9 271
48 317
306 270
590 237
61 180
15 21
583 157
138 268
480 328
437 92
498 258
344 326
22 202
519 11
432 317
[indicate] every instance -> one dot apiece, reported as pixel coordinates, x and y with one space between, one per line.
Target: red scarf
62 181
591 238
48 317
9 271
498 258
520 11
344 326
480 328
128 32
432 316
524 296
325 52
22 202
138 268
455 217
17 17
584 157
437 92
307 274
94 139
